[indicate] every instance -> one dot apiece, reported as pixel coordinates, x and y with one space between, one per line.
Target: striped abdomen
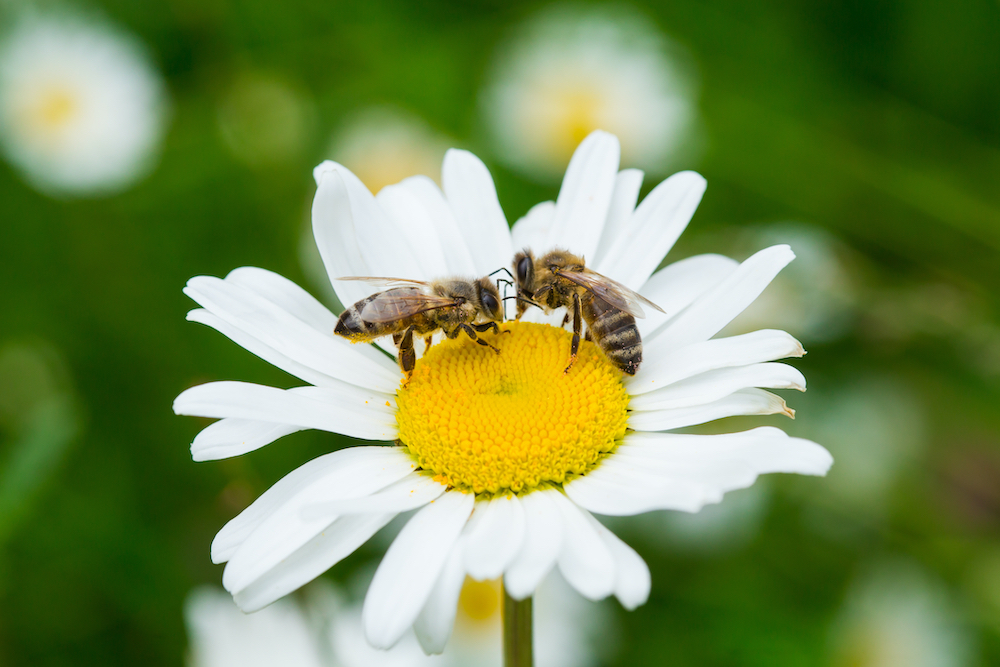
615 333
352 325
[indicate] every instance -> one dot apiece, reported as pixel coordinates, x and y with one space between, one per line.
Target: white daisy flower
567 627
571 71
895 615
505 456
82 110
220 635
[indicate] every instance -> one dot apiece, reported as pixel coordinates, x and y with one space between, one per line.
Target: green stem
517 626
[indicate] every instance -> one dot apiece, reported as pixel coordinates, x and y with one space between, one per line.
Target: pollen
492 423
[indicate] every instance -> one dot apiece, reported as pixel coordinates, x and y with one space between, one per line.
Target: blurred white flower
264 119
569 631
715 529
326 632
221 635
875 427
82 110
570 71
814 298
896 616
382 146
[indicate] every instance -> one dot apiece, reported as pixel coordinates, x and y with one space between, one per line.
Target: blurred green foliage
878 122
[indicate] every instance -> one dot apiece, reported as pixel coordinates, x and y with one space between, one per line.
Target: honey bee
560 278
414 307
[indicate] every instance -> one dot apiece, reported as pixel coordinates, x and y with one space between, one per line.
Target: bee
560 278
414 307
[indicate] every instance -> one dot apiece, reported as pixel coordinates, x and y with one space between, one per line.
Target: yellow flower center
57 107
46 113
479 600
577 112
509 422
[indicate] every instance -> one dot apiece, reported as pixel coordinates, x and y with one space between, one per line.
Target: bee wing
387 282
613 292
399 303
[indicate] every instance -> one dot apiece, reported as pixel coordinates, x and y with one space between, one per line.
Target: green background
878 122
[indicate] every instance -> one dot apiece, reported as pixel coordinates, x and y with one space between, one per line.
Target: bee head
489 299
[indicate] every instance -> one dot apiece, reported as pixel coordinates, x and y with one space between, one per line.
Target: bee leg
587 337
428 340
472 334
396 337
565 320
407 356
574 346
487 326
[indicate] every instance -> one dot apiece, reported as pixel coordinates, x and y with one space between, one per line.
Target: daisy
505 457
897 614
82 110
323 629
221 636
568 627
569 71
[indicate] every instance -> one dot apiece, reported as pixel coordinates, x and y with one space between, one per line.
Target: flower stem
517 627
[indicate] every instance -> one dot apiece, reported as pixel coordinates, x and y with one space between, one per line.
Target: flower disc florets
509 422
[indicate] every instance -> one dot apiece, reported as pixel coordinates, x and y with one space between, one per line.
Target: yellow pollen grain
509 422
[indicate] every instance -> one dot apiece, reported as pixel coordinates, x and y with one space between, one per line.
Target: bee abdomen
615 332
350 323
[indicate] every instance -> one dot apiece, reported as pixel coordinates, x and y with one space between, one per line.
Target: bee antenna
505 270
521 298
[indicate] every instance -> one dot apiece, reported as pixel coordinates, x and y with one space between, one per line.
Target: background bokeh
865 134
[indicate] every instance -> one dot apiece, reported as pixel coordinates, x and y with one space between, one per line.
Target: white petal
291 337
283 292
414 224
407 494
495 538
632 579
765 450
312 559
665 365
582 204
716 308
473 197
685 472
456 252
333 228
413 563
628 182
655 227
256 347
614 491
742 402
713 385
676 285
234 533
532 231
385 253
584 559
543 538
353 411
232 437
435 622
285 529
